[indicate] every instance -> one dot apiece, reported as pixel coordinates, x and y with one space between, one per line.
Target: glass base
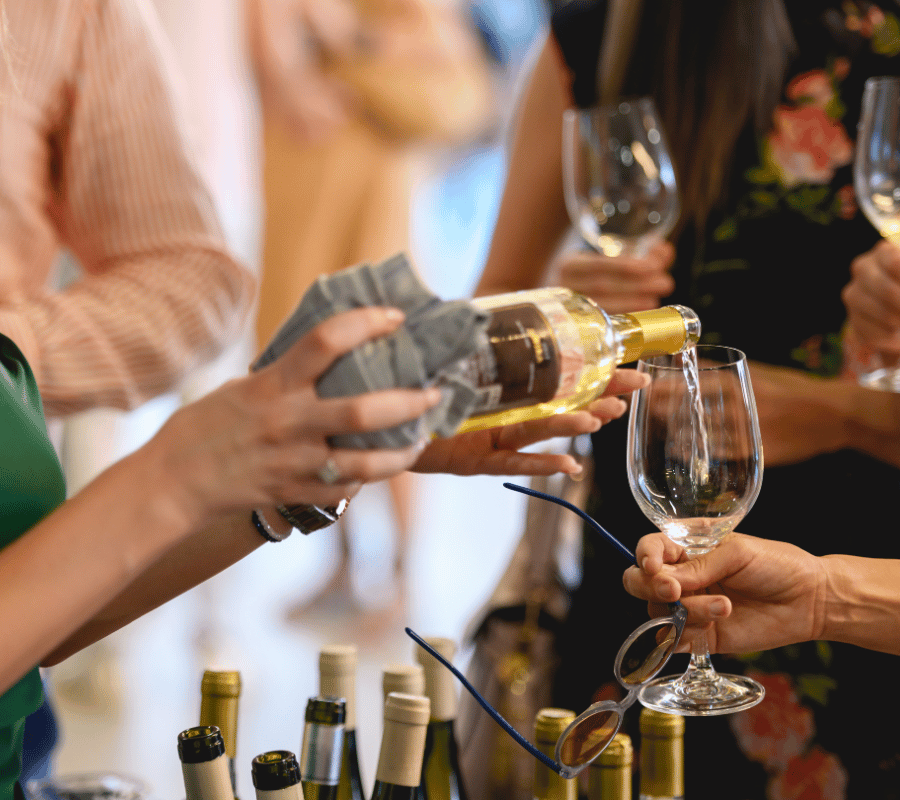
728 694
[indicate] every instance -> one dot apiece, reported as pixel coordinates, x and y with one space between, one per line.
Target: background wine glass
619 182
695 468
876 180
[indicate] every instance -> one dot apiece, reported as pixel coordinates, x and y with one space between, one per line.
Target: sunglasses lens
647 654
588 738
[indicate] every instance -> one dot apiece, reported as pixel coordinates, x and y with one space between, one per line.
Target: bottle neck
391 791
320 758
609 782
350 784
547 784
640 334
208 780
662 767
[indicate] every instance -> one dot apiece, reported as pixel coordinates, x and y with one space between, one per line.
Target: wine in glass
619 182
695 468
876 180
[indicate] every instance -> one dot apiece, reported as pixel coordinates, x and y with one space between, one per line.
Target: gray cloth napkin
425 351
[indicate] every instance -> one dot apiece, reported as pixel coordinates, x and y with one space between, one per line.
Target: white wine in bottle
323 744
276 776
550 350
403 679
337 678
610 774
402 747
662 756
441 775
548 725
219 693
204 764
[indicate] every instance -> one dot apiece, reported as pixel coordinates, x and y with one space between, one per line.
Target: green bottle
323 744
337 678
402 747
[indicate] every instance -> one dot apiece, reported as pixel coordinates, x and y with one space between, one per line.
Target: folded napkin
427 350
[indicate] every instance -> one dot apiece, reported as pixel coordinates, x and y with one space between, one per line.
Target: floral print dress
766 277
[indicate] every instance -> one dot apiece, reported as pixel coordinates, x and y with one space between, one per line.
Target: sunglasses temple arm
586 517
543 758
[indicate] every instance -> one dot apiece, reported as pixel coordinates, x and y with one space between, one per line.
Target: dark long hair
715 67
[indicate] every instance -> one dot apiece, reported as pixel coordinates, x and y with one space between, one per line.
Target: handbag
514 654
422 76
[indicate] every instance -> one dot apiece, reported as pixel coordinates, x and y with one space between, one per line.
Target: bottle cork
337 678
403 739
403 679
440 684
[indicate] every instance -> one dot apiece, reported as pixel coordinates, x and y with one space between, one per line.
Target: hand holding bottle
497 451
621 284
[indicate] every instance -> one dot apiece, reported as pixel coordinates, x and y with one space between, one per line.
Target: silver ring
329 473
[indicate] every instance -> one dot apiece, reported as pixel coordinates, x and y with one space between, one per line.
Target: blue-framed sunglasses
640 659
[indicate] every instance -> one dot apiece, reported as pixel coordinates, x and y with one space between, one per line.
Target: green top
31 486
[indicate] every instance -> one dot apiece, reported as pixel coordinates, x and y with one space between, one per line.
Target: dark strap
578 30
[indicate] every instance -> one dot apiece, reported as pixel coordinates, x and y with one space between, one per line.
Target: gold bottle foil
648 333
662 754
610 773
220 690
548 725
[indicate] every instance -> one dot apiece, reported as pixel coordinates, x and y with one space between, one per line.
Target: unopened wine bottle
402 747
441 775
403 679
219 694
610 773
662 756
337 678
551 350
276 776
323 744
204 764
548 785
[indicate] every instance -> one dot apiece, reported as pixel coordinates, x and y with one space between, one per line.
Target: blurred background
122 702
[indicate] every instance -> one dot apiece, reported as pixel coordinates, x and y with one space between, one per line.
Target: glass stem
700 680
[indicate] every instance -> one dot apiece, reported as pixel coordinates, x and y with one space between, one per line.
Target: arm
160 294
117 548
532 218
767 594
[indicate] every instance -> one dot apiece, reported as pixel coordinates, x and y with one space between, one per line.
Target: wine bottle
276 776
204 764
337 678
610 773
219 693
441 775
551 350
403 679
548 725
402 747
323 744
662 756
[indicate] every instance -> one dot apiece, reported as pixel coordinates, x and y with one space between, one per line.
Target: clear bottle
204 764
610 774
337 678
402 747
403 678
662 756
323 744
548 725
551 350
441 775
276 776
219 693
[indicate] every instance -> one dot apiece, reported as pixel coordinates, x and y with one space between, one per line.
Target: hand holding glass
695 468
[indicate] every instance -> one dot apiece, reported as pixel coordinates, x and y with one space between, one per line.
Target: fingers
873 296
315 351
625 381
657 549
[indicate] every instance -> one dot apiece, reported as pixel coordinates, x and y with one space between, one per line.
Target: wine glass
876 180
618 178
695 468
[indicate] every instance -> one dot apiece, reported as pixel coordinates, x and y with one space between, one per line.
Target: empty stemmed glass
618 178
695 468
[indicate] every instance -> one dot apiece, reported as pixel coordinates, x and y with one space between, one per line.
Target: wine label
521 366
